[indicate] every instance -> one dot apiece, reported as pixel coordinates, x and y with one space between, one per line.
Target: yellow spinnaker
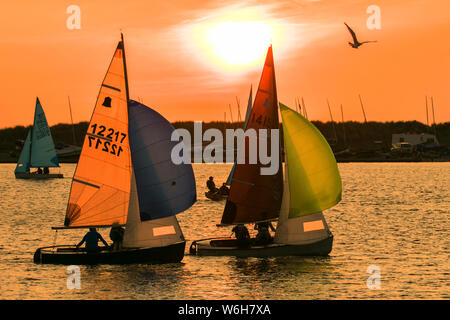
314 179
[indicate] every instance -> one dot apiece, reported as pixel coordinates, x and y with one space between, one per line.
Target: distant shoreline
351 141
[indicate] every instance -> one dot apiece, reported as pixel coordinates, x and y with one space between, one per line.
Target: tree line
350 134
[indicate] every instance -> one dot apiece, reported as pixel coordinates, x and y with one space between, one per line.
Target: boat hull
219 247
215 196
70 255
28 175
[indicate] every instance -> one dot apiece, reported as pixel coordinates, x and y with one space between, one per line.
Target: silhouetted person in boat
211 185
263 237
91 238
355 43
46 171
224 190
116 235
242 236
39 171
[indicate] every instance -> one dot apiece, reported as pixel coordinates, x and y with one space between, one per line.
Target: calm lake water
394 216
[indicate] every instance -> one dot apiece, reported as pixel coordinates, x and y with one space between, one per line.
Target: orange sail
100 189
255 197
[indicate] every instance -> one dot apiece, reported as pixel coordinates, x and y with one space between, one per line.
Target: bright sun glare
238 43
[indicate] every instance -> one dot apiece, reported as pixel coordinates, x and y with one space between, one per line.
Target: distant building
414 138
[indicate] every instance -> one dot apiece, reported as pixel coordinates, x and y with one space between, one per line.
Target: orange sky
174 73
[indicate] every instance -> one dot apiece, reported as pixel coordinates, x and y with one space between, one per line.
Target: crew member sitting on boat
242 235
211 185
116 235
39 170
91 238
46 171
263 237
224 190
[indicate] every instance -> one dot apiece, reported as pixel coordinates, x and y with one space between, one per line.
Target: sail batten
260 198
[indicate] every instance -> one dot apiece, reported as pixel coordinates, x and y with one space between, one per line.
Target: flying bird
355 44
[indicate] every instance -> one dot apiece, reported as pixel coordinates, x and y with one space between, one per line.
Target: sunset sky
190 59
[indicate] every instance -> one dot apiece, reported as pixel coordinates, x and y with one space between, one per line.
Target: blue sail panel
23 164
43 152
164 189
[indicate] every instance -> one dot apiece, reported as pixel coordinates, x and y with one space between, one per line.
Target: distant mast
239 110
434 120
332 122
343 125
426 109
71 119
304 109
231 113
362 107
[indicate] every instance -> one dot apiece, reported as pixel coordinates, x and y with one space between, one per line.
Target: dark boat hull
219 247
70 255
215 196
27 175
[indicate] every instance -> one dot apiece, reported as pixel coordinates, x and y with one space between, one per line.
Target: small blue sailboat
38 150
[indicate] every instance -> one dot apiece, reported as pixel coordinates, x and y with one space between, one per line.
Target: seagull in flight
355 44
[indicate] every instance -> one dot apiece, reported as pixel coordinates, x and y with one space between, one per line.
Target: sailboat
125 176
310 185
38 150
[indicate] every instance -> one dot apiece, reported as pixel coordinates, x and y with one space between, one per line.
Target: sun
234 40
238 43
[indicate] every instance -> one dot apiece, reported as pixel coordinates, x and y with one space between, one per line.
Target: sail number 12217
109 135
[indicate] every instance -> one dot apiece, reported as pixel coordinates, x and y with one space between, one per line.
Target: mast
31 133
434 121
71 119
426 109
299 106
343 125
362 107
332 122
125 67
239 110
304 109
231 113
